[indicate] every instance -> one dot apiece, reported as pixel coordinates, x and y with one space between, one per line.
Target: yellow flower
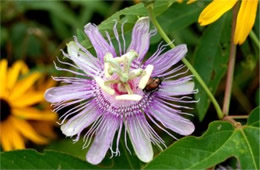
245 19
19 119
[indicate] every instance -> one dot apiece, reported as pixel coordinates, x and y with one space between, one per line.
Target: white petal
102 141
172 120
86 63
79 122
140 141
140 37
58 94
184 88
177 88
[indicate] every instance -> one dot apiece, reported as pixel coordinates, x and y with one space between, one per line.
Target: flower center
5 110
120 79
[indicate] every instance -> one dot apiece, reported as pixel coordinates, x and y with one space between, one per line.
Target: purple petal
103 140
139 138
140 37
67 92
99 43
80 121
170 119
167 60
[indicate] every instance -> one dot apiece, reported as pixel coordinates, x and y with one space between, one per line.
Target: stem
238 116
232 121
231 64
254 38
186 62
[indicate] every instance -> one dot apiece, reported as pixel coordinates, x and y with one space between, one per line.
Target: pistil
118 71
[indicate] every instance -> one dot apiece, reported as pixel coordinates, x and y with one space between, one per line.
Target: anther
144 80
134 97
102 85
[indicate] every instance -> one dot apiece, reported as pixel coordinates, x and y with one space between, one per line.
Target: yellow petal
179 1
245 20
215 10
5 137
3 77
28 100
6 143
34 114
27 131
23 85
14 72
17 139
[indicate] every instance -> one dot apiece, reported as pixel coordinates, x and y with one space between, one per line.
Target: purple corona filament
109 93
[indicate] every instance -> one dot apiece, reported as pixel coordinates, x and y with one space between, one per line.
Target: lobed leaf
219 142
31 159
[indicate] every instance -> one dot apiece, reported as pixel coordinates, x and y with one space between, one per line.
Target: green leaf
81 35
130 14
67 146
184 15
31 159
210 59
219 142
124 161
175 22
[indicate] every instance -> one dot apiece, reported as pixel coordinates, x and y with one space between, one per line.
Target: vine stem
231 64
186 62
238 116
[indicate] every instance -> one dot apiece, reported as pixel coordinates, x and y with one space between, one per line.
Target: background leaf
130 15
210 59
184 16
67 146
219 142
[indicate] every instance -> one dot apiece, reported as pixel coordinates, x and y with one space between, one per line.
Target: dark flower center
5 110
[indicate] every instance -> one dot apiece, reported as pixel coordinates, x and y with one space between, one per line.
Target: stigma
119 77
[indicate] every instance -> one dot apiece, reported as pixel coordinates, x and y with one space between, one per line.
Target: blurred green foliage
35 31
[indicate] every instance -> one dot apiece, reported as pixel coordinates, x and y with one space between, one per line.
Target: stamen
134 97
144 80
102 85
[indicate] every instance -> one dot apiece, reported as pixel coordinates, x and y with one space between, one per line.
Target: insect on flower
153 84
113 90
